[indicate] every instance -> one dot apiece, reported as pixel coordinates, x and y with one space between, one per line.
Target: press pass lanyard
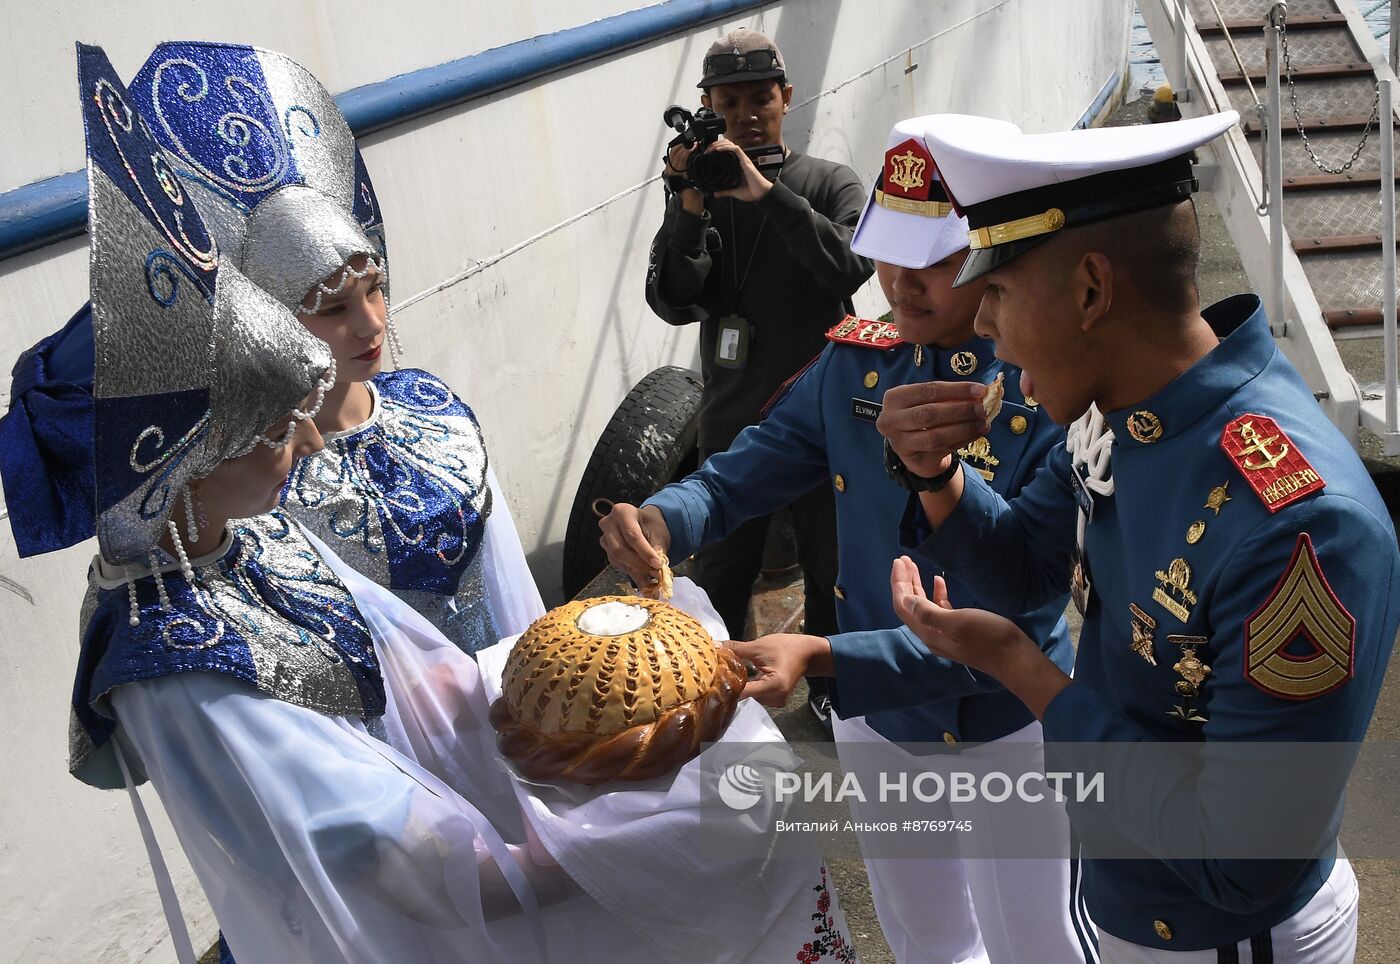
735 332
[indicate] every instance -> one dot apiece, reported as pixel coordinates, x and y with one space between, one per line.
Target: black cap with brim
1032 217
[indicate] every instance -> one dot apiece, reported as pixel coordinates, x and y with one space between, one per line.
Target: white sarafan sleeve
515 599
317 842
436 708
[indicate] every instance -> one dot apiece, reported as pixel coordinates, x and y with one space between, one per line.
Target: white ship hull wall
542 344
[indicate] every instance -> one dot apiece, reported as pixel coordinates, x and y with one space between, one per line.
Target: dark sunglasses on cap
754 60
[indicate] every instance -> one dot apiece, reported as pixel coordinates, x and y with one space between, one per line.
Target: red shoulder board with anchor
865 334
1269 461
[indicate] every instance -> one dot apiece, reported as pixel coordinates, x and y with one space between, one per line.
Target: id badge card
732 346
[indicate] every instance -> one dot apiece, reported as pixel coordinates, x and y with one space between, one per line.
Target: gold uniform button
949 738
839 593
1163 931
840 483
1018 425
872 379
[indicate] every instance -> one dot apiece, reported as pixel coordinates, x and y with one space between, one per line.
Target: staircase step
1347 242
1342 98
1317 182
1333 122
1341 212
1206 10
1314 21
1317 50
1312 53
1354 319
1332 145
1346 280
1311 72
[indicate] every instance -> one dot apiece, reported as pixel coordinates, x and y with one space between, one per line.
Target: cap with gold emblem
908 219
1018 190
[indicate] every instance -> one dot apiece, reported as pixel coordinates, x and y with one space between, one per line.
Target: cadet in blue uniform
1235 564
824 429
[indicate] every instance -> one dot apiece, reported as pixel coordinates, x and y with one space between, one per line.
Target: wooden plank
1341 122
1352 317
1317 182
1310 22
1352 242
1314 72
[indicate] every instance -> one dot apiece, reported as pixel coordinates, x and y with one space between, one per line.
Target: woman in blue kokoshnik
403 490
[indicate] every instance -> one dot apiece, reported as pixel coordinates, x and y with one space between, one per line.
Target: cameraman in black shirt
765 268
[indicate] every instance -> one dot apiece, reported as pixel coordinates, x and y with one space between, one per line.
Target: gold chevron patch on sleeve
1302 603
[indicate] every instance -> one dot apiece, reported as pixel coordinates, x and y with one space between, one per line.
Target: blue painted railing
50 210
1110 87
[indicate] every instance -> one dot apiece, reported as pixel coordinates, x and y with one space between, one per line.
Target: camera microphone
676 117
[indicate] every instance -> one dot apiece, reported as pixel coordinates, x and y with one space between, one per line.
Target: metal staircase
1303 182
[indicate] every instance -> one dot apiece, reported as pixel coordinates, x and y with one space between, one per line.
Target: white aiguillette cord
1089 441
169 903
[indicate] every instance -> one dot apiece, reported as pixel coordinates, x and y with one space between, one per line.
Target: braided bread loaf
629 700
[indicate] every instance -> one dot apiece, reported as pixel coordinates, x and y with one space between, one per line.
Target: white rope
480 266
1090 443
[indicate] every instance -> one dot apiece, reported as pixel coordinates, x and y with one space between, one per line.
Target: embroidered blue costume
263 608
406 497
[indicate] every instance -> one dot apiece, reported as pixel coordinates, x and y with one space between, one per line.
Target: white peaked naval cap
1017 190
907 219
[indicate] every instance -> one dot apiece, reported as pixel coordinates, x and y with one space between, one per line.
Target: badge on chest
732 346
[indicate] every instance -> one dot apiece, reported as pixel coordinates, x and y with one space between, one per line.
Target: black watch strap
899 472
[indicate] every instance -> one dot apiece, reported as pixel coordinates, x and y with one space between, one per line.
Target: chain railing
1298 114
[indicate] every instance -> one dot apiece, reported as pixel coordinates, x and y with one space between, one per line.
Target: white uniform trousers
954 910
1322 932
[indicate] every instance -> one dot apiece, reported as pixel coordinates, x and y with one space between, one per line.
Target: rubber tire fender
649 441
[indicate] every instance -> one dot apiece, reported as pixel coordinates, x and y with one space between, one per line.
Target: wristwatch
897 470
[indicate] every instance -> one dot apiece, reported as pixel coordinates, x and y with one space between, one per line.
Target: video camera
714 171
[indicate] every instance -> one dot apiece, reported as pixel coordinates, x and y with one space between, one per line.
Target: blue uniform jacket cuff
1078 714
954 545
686 515
889 668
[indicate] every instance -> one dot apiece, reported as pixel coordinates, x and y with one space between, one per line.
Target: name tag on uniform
1081 492
866 410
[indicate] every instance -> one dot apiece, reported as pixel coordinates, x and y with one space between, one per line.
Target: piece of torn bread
996 391
664 587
